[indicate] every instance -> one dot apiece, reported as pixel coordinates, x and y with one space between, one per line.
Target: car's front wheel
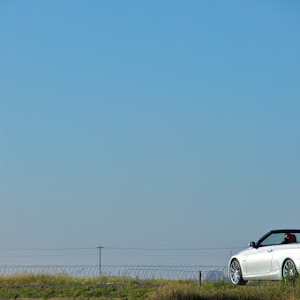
289 269
236 273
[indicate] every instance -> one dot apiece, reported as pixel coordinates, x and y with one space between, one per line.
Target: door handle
270 250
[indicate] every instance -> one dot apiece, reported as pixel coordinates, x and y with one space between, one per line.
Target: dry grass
132 289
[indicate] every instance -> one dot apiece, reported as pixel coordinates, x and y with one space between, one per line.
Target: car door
259 260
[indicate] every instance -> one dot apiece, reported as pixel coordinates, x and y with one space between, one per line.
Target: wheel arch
230 261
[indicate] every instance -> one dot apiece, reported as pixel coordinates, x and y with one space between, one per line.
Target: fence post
200 275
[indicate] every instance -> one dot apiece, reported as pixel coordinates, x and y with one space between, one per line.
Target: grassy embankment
72 288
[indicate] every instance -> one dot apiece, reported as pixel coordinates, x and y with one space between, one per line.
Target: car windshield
279 238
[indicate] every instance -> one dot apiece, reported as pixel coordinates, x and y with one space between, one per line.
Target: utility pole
100 247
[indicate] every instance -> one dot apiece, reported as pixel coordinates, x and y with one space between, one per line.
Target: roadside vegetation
61 286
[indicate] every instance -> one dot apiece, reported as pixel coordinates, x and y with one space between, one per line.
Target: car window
273 239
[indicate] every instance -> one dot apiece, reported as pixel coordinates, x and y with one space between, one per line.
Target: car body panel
259 260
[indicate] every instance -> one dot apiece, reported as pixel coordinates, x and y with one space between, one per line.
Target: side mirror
252 244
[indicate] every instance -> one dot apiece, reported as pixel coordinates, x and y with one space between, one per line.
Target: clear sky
147 124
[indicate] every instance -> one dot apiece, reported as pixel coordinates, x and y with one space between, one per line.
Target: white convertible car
275 256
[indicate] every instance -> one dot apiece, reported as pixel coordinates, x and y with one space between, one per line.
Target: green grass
227 291
70 287
134 289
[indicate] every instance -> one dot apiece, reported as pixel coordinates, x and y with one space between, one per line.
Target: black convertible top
285 230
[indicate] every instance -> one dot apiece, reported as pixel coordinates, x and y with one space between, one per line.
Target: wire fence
142 272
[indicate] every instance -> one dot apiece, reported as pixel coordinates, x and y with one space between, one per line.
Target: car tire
236 273
289 269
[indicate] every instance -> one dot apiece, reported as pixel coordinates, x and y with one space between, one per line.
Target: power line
122 248
174 249
47 249
49 255
178 255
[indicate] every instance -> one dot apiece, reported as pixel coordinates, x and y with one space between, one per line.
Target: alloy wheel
289 269
235 272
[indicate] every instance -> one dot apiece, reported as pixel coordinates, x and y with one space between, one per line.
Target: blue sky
147 124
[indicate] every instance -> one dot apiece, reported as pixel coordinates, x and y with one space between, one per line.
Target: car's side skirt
273 275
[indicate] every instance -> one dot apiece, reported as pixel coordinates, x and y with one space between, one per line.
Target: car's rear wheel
236 273
289 269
